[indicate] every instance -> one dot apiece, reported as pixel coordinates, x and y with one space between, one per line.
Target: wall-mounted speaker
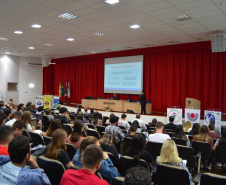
218 42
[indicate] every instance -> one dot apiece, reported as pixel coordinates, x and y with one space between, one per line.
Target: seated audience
91 112
107 143
58 106
195 129
16 116
8 113
76 136
153 123
158 136
141 123
132 131
113 129
216 130
179 133
169 156
108 120
57 148
14 170
48 114
211 131
6 135
91 162
123 122
187 126
20 107
18 128
40 110
137 149
107 169
54 125
221 140
26 118
204 136
10 103
137 176
171 125
95 119
80 116
100 119
14 108
137 124
3 118
86 112
61 116
2 106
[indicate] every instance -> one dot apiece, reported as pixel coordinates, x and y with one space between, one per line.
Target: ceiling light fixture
4 39
92 52
7 53
36 26
135 26
182 17
67 16
31 47
98 34
111 1
18 32
70 39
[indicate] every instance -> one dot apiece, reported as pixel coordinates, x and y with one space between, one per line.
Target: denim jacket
28 176
107 169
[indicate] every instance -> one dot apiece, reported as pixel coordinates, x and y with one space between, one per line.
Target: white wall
15 69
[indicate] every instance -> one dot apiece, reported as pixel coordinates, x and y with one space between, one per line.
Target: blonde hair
169 152
187 126
108 139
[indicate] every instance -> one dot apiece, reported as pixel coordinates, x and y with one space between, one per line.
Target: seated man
123 122
6 135
115 97
171 125
61 116
18 128
3 118
211 131
8 113
158 136
91 161
16 116
13 169
141 123
113 129
132 131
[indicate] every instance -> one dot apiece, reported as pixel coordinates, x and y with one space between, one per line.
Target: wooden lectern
192 103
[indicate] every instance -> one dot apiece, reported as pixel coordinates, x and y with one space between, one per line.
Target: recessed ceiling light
92 52
48 44
173 42
98 34
67 16
36 26
4 39
111 1
18 32
31 47
70 39
7 53
182 17
135 26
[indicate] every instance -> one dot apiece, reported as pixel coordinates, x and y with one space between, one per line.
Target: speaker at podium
192 103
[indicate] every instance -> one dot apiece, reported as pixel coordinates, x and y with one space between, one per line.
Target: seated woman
54 125
57 148
169 156
204 136
221 140
195 129
187 126
107 169
179 133
137 150
26 118
107 144
76 136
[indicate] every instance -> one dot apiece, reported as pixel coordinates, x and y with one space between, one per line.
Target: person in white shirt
141 123
16 116
123 122
158 136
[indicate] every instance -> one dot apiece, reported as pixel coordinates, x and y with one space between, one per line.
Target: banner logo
193 117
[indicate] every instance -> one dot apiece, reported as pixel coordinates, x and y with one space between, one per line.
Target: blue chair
136 101
148 101
129 100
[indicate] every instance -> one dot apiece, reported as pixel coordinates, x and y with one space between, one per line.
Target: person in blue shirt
107 169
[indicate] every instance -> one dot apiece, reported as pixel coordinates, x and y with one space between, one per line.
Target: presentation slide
123 75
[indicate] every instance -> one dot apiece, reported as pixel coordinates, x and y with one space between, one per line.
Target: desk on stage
115 105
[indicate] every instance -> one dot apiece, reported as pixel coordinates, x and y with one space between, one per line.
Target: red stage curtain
171 73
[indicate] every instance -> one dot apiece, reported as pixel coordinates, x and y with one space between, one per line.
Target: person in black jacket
143 102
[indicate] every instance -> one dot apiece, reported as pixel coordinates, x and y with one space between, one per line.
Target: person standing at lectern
143 102
115 97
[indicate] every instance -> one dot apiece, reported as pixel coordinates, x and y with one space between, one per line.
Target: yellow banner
48 99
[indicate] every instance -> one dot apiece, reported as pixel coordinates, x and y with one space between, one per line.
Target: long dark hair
77 132
179 132
20 106
138 146
54 125
222 140
195 129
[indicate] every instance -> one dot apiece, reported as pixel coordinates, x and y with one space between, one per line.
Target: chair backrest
53 169
71 150
47 140
118 181
101 129
212 179
127 162
148 101
122 127
169 130
167 174
105 119
187 153
67 128
92 132
220 154
90 126
136 101
179 141
45 123
112 157
127 144
202 147
26 133
154 148
36 139
171 134
39 116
